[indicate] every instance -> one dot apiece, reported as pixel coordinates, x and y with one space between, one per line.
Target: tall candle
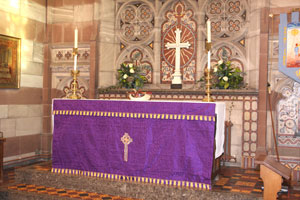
75 62
208 60
75 46
208 41
208 30
76 38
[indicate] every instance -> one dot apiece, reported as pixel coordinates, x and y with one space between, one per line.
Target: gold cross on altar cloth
126 139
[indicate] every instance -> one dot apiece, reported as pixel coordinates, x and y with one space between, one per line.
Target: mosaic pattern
228 17
227 53
64 55
239 180
249 140
137 57
64 192
288 120
294 164
231 179
181 18
136 22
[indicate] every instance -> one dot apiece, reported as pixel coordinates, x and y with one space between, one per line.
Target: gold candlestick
75 51
207 86
74 85
207 74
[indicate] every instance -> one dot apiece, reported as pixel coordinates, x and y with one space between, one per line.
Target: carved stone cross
126 139
177 46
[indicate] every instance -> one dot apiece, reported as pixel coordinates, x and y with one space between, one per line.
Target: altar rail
241 108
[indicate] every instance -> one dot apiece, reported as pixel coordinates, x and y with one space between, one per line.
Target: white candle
208 41
208 60
75 46
75 62
208 30
76 38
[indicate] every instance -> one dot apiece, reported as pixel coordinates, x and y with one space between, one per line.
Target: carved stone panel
182 18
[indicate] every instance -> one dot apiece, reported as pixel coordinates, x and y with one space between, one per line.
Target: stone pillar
263 80
107 45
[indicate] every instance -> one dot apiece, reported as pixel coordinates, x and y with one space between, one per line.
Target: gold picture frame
10 69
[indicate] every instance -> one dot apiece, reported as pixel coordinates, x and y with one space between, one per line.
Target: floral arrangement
226 76
129 76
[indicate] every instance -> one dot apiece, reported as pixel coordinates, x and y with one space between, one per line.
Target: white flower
215 69
130 65
131 70
220 62
125 76
225 78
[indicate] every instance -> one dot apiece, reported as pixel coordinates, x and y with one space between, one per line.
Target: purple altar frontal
168 143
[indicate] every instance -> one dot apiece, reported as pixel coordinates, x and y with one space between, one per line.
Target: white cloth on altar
220 128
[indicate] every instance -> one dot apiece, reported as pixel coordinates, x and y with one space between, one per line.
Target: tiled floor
231 179
65 192
235 179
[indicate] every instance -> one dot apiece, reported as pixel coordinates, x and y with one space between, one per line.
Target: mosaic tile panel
136 21
182 18
294 164
227 53
228 17
64 55
288 117
249 135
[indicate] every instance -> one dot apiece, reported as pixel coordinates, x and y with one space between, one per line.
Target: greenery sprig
130 77
226 76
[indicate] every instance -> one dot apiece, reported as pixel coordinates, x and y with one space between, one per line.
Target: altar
158 142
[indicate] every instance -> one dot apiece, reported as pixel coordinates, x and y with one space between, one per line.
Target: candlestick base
208 77
74 85
208 99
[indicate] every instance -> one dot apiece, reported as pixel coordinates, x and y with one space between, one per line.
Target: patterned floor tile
65 192
232 179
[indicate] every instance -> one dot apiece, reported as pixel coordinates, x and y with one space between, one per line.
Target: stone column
107 45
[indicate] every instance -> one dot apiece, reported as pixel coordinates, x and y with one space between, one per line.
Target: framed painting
10 62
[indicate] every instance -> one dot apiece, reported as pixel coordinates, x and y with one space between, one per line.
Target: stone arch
66 81
178 15
145 61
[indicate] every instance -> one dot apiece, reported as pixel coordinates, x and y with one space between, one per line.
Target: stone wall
21 110
284 90
63 17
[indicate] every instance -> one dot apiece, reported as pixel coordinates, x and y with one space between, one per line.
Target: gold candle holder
75 51
74 85
207 74
208 77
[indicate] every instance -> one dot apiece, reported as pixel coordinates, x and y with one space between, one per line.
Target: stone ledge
249 92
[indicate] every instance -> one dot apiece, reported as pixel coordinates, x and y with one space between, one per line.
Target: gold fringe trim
136 115
201 186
